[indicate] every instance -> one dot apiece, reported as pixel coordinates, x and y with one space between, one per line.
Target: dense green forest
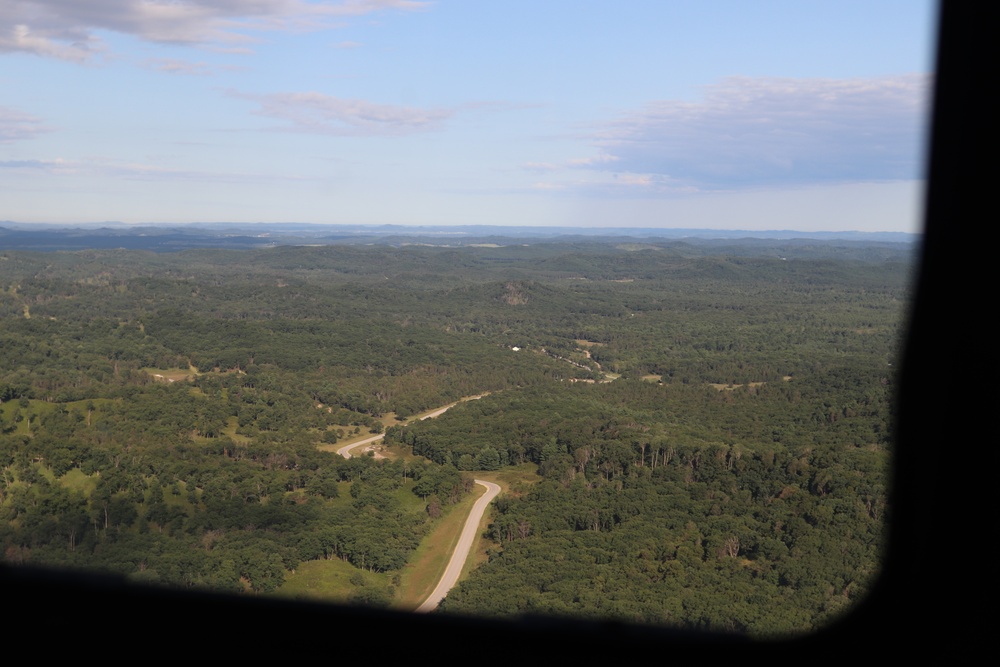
711 430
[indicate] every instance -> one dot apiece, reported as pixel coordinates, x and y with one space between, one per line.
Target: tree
488 459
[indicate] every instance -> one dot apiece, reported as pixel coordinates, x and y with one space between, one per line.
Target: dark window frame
921 598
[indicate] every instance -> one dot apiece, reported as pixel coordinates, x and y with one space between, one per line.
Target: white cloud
16 125
324 114
604 158
541 166
549 186
57 166
136 171
770 131
174 66
67 44
64 28
616 186
575 163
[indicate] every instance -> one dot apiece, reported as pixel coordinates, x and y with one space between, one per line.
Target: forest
687 434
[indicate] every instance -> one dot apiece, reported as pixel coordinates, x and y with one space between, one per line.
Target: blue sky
724 115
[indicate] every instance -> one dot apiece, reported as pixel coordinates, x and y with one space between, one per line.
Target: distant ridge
172 237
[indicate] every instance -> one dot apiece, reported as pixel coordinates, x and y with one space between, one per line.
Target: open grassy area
77 480
9 413
404 452
731 387
232 423
171 374
329 581
515 479
21 418
409 501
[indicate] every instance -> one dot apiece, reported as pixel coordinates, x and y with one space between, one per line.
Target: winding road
465 540
345 451
462 549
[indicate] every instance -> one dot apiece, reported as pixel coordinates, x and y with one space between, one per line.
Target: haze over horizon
722 115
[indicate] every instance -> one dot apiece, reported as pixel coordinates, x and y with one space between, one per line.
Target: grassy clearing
84 405
515 480
731 387
403 452
171 374
179 499
329 581
36 409
230 430
343 495
77 480
409 501
9 413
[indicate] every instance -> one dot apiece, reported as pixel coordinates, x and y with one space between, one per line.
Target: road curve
345 451
465 540
462 549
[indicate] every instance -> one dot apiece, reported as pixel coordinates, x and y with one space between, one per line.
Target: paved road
464 546
462 549
345 451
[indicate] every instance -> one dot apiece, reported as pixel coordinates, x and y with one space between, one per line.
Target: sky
766 115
